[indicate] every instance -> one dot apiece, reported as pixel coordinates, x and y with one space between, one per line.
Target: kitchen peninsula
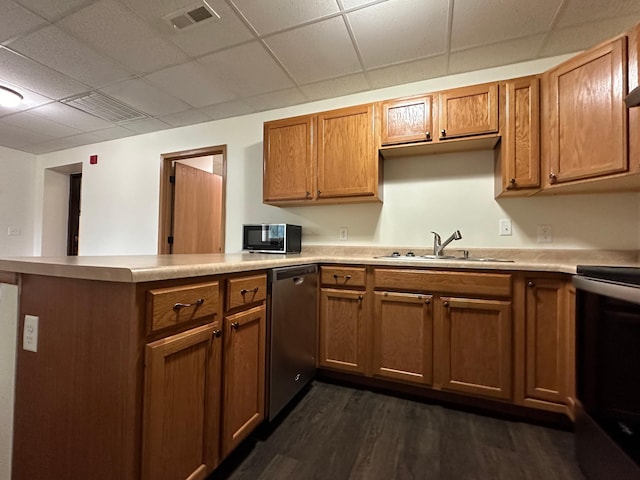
139 358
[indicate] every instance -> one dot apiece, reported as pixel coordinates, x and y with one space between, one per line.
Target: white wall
17 196
8 332
55 209
442 193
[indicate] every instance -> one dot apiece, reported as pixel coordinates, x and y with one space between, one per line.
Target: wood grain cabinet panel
289 173
587 119
407 120
343 276
243 375
247 290
475 345
469 110
518 162
403 337
347 153
182 405
343 333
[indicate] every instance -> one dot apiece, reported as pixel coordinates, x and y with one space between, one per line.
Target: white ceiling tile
116 31
408 72
143 96
235 108
15 20
84 139
113 133
13 136
487 56
71 117
576 12
21 71
573 39
481 22
400 30
316 52
147 125
346 85
273 100
248 69
269 16
54 145
188 117
192 84
356 3
29 121
51 9
56 49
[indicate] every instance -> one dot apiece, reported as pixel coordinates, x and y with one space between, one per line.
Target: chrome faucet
439 245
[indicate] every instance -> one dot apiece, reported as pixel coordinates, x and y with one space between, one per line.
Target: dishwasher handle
298 280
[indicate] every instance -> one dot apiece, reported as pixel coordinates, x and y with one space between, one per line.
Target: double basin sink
442 257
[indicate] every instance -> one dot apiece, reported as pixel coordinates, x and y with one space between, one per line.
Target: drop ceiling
255 55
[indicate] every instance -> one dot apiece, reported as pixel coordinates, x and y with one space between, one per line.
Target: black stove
625 275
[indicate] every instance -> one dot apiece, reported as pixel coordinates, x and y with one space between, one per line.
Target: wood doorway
192 201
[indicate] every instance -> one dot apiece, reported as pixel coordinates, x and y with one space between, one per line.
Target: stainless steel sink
442 257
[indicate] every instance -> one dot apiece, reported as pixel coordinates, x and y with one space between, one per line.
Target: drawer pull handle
235 325
346 277
217 333
244 291
197 303
531 284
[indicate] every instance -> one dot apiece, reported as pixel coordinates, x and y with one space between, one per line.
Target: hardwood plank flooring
339 433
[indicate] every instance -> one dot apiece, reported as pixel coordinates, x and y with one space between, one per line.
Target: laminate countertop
145 268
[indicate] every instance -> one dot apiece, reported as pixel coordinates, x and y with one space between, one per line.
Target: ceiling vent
188 17
106 108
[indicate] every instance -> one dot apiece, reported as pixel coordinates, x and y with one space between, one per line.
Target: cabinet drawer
343 276
171 306
472 283
246 290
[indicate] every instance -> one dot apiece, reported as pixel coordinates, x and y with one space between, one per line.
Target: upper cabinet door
289 159
347 153
407 120
469 111
587 118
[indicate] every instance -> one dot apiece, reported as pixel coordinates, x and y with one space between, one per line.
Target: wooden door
587 118
407 120
196 192
289 160
342 330
403 337
347 153
475 346
182 405
244 375
468 111
520 146
546 340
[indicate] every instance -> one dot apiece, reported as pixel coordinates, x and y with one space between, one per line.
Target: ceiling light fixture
9 98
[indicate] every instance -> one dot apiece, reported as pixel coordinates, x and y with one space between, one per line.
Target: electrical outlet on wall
504 226
344 233
30 333
545 234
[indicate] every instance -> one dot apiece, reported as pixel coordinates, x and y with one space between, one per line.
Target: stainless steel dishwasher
293 333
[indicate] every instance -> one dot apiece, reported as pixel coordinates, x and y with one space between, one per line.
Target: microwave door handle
265 233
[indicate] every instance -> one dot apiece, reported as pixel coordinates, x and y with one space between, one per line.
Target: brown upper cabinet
468 111
331 157
518 156
408 119
585 122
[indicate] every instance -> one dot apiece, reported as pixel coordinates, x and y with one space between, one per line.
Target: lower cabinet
474 346
244 375
182 405
343 331
403 337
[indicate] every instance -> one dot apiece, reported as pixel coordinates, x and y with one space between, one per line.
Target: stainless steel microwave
272 238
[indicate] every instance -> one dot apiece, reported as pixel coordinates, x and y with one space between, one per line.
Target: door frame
166 197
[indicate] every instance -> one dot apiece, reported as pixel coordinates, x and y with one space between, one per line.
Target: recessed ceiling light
9 98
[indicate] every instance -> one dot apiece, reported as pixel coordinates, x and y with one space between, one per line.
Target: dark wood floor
340 433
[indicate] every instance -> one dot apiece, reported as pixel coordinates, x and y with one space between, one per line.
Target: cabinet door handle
235 325
197 303
531 284
552 178
443 133
217 333
360 297
244 291
427 301
446 304
512 184
319 192
308 194
428 135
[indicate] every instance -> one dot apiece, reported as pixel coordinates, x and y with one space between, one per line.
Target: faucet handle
465 253
437 237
